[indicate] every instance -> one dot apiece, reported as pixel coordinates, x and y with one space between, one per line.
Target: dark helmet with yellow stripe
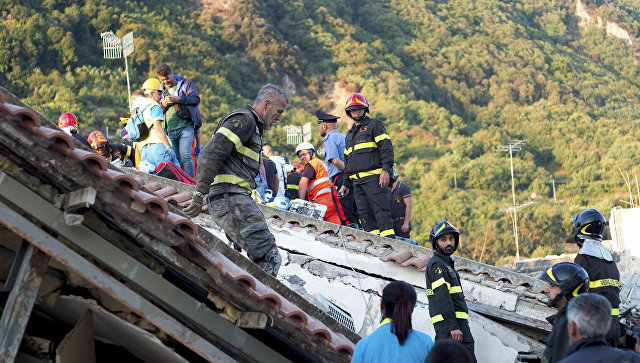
588 224
571 278
393 176
438 230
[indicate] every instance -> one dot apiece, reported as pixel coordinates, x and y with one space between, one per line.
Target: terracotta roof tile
289 310
166 191
399 256
155 203
63 141
419 262
29 117
152 187
93 161
125 180
180 197
184 224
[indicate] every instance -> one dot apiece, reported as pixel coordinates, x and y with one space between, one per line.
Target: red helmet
356 101
68 119
97 139
298 167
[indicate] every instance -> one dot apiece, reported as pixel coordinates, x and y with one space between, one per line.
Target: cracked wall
311 267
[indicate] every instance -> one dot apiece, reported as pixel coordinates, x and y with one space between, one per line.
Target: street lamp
511 147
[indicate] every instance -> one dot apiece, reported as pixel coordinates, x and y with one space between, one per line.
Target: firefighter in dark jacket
448 310
112 151
292 180
604 277
226 172
368 159
566 281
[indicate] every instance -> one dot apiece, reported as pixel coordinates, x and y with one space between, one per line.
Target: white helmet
305 146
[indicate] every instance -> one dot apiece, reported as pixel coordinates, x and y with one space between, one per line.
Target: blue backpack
135 130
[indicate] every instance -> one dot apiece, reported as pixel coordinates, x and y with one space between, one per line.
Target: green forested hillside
451 80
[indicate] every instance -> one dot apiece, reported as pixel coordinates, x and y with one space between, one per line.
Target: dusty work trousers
348 202
243 223
334 213
373 206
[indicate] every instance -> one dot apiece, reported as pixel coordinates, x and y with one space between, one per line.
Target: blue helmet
438 230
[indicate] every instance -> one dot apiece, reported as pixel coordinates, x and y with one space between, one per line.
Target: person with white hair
589 318
226 174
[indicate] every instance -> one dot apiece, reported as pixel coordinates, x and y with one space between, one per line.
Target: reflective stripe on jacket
368 150
321 184
239 137
444 292
154 134
293 181
604 278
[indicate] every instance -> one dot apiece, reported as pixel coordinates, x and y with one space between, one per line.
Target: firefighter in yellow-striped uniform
588 229
226 172
448 310
368 157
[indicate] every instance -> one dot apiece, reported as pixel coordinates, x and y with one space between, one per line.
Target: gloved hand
196 205
196 150
170 152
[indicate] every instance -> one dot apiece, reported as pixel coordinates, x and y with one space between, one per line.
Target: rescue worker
226 172
316 186
292 180
68 123
604 277
368 160
156 147
447 307
566 281
401 205
111 151
334 158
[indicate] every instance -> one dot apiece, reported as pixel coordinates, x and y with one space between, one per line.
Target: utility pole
511 147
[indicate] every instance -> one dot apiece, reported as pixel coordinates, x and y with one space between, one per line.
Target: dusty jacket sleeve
190 97
443 315
229 137
381 138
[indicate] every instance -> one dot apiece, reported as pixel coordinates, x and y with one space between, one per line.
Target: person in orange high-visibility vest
316 186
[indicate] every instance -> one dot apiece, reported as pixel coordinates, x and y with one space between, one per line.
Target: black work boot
270 262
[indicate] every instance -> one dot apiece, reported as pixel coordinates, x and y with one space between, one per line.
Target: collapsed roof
99 226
